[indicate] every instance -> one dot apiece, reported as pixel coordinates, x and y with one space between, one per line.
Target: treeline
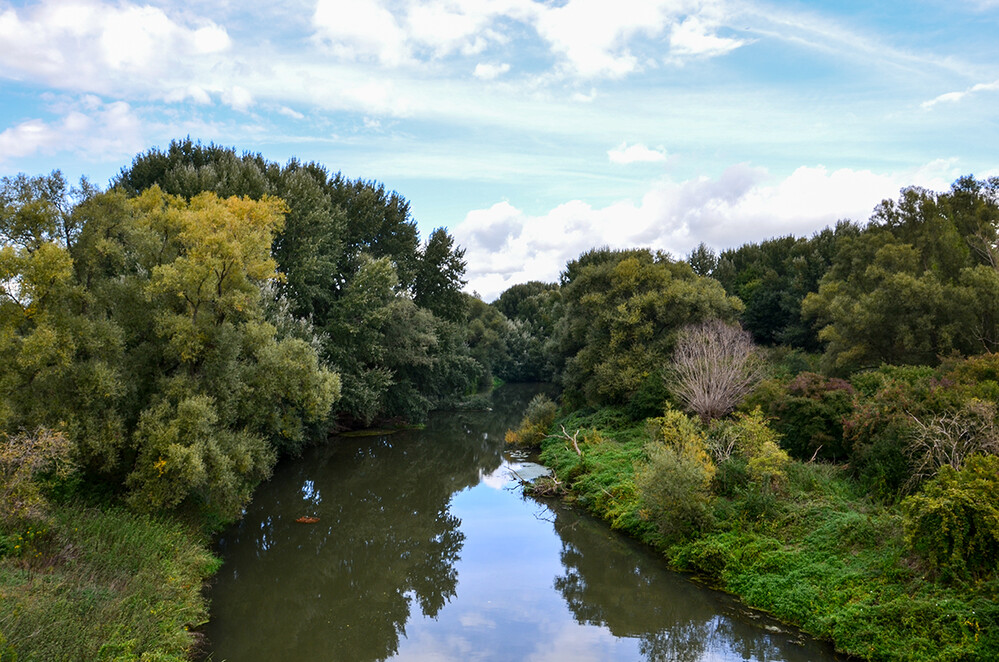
164 342
811 423
211 312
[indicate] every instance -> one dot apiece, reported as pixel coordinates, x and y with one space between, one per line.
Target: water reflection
613 582
424 550
343 588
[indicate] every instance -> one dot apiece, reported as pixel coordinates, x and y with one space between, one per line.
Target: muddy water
426 549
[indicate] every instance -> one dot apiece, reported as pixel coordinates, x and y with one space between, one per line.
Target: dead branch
565 435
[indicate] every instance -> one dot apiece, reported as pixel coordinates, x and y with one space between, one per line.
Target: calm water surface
426 549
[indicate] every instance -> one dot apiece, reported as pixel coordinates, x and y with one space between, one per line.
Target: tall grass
102 584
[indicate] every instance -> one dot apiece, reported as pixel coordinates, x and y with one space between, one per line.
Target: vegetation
852 493
165 342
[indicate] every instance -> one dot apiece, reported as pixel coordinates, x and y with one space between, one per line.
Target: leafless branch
714 366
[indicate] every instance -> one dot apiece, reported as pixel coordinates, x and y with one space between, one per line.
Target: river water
425 548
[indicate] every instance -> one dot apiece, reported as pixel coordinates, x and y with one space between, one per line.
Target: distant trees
917 284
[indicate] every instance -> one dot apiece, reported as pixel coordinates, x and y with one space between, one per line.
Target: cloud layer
505 245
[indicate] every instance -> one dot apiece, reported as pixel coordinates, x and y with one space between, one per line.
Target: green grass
101 584
820 554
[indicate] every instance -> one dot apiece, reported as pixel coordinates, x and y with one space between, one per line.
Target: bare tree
714 367
951 438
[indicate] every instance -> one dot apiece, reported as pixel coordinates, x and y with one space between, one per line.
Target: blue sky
532 129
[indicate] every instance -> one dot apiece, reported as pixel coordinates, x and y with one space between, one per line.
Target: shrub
538 418
714 367
24 457
808 412
954 522
674 485
951 438
750 437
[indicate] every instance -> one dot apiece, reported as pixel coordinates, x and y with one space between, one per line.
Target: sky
532 129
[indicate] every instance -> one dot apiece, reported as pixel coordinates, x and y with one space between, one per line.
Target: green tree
334 228
905 290
622 312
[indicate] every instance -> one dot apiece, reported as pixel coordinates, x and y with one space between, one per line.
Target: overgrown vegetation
164 342
101 584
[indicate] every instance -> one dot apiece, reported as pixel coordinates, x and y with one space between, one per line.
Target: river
425 548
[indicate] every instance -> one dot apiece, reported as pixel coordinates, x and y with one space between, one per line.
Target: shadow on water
614 582
390 569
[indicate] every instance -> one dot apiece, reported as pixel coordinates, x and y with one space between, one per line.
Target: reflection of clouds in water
510 473
497 479
450 648
474 619
571 642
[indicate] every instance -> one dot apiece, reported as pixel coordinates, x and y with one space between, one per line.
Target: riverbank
102 584
818 554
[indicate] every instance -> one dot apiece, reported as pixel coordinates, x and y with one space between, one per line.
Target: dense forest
165 341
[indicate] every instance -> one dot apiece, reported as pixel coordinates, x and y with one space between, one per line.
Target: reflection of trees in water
343 588
608 582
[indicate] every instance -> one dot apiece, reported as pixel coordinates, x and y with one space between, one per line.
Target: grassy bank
817 553
101 584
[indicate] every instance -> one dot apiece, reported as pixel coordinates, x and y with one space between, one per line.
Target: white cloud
591 38
88 44
291 112
91 129
954 97
694 37
506 246
238 98
624 154
361 29
487 71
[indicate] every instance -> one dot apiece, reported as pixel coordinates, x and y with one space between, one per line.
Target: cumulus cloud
77 44
590 38
954 97
92 129
624 154
487 71
504 245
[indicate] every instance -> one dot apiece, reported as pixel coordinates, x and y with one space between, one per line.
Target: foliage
105 585
954 521
714 367
537 421
145 342
24 458
917 284
950 439
772 278
346 245
533 309
621 311
808 412
750 437
824 557
674 485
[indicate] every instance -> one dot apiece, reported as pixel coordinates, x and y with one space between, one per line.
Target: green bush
674 485
538 418
954 522
808 413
